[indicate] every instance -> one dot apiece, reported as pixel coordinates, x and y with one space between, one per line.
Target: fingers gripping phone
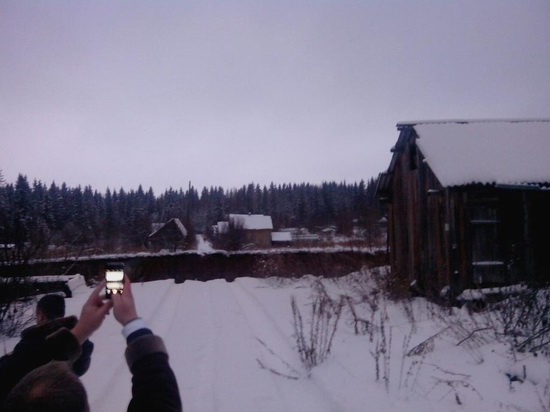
114 279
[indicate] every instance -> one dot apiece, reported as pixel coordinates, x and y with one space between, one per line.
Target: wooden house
468 204
256 228
172 235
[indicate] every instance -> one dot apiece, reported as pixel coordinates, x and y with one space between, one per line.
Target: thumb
94 296
105 308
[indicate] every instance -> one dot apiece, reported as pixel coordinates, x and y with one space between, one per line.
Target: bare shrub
314 339
360 326
427 345
522 320
382 353
233 238
290 373
455 387
13 305
526 319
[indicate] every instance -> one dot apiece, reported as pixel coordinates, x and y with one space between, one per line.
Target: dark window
488 264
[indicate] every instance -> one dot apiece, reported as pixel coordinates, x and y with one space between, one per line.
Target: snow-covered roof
252 222
507 152
281 237
178 224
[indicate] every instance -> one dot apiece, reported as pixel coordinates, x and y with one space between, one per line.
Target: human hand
92 316
124 306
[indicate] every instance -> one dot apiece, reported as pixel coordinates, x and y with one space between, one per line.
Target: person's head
50 307
49 388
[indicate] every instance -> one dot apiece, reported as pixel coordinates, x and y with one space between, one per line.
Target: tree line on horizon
42 216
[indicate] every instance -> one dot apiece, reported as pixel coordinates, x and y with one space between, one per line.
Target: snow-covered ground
233 349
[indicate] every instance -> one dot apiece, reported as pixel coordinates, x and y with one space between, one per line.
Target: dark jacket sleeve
82 364
154 385
28 355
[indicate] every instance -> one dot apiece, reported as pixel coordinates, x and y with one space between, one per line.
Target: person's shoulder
43 330
5 358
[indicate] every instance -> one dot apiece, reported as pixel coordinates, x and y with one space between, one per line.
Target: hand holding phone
114 279
124 306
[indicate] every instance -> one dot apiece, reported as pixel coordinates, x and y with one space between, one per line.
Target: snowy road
213 332
232 349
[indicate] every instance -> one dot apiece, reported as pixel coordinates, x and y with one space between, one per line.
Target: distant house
302 237
220 228
468 203
280 239
256 228
171 235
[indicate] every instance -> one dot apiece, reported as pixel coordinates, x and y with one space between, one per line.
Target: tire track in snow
162 317
190 340
261 323
234 350
216 349
264 327
253 329
207 368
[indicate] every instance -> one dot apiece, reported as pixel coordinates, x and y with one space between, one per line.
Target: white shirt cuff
132 326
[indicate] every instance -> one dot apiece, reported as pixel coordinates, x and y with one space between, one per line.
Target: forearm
80 333
134 329
82 364
154 385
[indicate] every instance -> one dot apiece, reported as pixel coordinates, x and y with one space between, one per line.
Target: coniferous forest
35 216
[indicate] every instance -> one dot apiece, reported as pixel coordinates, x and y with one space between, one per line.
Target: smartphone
114 278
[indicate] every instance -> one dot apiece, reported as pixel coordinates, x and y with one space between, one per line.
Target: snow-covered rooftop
252 222
178 224
508 152
281 236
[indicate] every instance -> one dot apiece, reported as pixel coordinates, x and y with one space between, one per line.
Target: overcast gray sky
159 93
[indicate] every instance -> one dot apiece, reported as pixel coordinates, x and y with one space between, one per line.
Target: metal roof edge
466 121
497 185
